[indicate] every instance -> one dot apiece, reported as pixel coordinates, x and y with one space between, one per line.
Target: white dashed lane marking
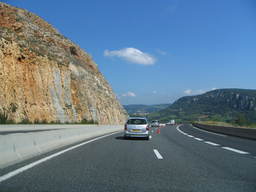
235 150
158 155
211 143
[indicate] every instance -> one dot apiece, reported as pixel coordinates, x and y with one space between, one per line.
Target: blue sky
155 51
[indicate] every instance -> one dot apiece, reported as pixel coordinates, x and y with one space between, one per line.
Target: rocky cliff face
44 76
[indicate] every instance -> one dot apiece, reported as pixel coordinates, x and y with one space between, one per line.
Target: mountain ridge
142 109
219 105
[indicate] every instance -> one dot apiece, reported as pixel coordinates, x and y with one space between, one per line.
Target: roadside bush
25 121
241 120
3 117
85 121
13 107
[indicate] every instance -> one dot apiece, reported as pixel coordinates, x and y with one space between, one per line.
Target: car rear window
137 121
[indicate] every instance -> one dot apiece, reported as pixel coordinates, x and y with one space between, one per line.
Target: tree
241 120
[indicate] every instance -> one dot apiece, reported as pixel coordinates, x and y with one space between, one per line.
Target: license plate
136 130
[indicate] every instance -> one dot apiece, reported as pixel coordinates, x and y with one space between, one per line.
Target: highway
179 158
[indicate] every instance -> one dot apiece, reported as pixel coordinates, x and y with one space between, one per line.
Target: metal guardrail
233 131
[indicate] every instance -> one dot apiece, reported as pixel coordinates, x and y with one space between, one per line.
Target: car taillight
147 128
125 127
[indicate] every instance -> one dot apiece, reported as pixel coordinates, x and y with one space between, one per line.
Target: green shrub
13 107
44 121
25 121
241 120
85 121
3 117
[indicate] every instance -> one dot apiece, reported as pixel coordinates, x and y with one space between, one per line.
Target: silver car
155 123
136 127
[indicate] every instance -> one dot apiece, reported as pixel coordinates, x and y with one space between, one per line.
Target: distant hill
144 109
227 105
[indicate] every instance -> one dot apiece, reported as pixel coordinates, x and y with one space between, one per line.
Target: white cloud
132 55
213 88
200 91
188 92
195 92
161 52
129 94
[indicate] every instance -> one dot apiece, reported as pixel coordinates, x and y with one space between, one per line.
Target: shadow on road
132 138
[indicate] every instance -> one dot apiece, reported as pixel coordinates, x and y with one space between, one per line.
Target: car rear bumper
132 134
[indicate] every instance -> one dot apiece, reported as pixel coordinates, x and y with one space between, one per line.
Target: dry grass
224 124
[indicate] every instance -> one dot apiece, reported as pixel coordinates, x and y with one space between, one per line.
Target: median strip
158 155
202 130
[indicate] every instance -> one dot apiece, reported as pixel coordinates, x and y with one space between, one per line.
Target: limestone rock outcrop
46 77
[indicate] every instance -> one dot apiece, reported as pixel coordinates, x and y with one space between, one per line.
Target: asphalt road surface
182 159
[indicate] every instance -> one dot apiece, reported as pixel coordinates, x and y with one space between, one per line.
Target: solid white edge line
182 132
178 128
29 166
211 143
158 155
235 150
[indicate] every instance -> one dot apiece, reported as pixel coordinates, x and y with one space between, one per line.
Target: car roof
137 118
